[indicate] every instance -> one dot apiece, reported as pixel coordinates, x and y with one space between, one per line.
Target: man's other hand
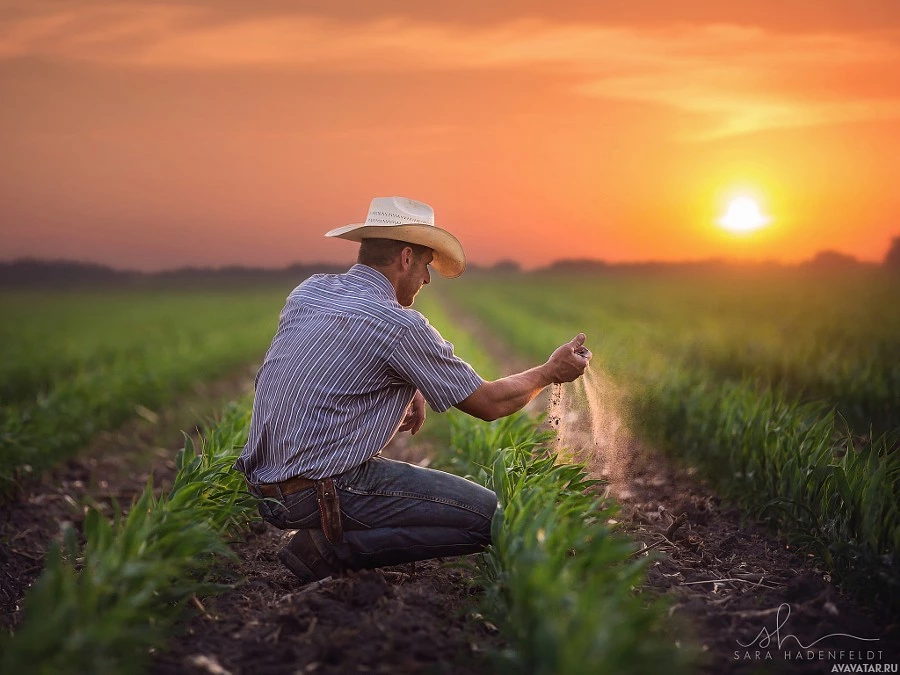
415 415
568 362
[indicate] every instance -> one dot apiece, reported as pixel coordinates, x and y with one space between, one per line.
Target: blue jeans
393 513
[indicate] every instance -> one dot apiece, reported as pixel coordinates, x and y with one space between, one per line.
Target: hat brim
449 258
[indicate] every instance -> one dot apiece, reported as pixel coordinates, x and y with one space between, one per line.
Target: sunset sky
153 135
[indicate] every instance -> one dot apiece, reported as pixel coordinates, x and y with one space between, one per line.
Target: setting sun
743 215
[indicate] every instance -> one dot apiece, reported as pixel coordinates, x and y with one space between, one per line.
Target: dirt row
752 603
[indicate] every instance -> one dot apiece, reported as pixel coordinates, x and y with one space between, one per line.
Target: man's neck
390 273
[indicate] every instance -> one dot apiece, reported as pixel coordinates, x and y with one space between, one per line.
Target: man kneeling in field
349 367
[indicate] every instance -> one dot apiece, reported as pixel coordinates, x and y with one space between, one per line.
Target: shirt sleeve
425 359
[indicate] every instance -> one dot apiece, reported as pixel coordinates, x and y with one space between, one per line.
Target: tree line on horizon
34 272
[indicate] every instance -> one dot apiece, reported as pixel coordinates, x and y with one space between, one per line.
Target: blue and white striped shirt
344 365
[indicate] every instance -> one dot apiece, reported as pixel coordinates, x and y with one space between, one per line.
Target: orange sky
153 135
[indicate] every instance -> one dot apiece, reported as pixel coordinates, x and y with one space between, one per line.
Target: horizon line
507 263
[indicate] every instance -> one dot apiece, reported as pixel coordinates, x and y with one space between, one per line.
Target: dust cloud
587 418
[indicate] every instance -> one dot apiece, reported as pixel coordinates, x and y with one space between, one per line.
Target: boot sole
297 566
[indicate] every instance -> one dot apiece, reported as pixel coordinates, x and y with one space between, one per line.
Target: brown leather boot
310 560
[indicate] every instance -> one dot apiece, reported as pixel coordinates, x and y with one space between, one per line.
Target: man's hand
415 415
568 362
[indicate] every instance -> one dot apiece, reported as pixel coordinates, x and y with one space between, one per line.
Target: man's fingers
416 424
415 415
578 347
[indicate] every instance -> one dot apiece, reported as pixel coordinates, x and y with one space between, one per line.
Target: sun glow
743 215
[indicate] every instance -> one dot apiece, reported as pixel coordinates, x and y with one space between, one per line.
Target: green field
76 363
784 389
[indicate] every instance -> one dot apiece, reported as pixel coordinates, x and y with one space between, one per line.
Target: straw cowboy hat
410 221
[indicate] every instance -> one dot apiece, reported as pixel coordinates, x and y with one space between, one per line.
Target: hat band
387 218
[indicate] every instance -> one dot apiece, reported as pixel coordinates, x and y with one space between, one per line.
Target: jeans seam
358 522
415 495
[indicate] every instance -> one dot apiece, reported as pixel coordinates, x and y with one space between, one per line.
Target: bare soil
392 620
749 600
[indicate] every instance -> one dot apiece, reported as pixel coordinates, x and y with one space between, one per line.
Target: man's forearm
505 396
512 393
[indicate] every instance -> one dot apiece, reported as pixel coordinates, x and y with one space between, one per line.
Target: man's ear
406 257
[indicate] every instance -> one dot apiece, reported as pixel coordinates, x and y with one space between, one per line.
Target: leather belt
288 487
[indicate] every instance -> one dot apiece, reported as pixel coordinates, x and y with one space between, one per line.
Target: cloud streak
727 80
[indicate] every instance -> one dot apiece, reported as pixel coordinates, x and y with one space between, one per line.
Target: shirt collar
373 279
